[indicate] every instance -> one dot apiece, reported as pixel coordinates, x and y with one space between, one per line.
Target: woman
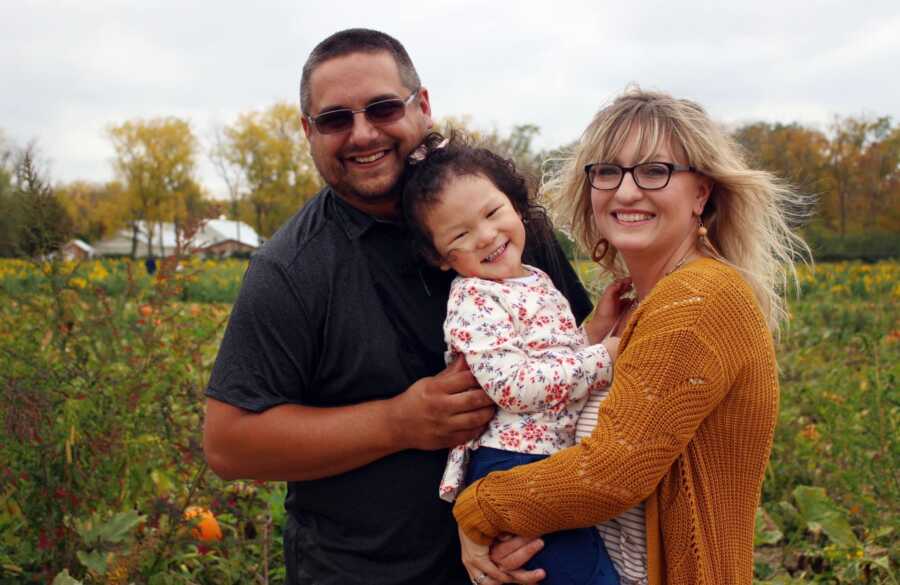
660 193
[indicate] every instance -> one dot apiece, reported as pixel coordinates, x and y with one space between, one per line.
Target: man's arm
295 443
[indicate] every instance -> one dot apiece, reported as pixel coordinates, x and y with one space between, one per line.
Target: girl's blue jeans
570 557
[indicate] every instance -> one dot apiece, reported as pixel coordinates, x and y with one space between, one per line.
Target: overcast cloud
69 69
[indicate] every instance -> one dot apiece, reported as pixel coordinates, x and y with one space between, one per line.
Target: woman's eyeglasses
649 175
377 113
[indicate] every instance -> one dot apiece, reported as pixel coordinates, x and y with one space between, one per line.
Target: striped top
625 535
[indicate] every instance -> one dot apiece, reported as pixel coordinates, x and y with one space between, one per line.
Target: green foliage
820 514
9 209
567 245
833 487
33 221
102 369
45 225
100 436
63 578
871 245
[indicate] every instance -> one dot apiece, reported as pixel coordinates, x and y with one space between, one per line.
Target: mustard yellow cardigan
688 427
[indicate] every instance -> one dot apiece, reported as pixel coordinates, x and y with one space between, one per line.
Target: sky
71 69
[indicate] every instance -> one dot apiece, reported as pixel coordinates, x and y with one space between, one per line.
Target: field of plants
102 477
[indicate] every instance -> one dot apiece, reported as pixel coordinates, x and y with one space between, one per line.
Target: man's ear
304 121
424 106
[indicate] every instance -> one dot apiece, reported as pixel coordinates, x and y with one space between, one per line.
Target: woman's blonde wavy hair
748 210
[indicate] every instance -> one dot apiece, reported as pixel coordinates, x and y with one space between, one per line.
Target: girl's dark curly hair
427 178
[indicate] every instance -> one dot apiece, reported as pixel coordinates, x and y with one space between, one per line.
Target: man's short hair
357 40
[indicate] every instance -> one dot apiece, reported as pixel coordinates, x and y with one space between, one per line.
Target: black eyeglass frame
314 120
672 167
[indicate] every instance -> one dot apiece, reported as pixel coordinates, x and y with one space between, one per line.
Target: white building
224 237
218 237
77 250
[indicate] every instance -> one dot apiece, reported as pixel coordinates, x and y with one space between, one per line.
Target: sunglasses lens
385 111
333 122
382 112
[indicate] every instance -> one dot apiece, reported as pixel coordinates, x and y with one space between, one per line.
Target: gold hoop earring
598 256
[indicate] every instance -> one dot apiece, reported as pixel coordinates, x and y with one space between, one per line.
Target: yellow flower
98 273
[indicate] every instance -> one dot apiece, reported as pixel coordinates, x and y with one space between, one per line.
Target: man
330 374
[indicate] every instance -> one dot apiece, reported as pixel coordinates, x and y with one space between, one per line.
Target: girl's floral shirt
521 342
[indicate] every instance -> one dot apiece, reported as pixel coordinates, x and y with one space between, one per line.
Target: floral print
523 346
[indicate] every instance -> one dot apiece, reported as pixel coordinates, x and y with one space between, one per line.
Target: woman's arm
676 367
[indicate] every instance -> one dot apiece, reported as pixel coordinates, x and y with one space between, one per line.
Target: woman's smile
631 217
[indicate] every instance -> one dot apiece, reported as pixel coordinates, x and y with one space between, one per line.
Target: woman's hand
510 553
477 559
609 308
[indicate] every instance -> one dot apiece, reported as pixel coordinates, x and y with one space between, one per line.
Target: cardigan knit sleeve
681 352
519 379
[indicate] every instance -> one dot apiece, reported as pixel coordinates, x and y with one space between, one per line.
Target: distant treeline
851 170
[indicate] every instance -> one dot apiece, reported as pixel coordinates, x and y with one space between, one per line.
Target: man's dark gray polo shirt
336 310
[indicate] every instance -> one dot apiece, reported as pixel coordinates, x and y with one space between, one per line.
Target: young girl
468 209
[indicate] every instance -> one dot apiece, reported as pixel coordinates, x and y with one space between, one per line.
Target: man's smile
368 158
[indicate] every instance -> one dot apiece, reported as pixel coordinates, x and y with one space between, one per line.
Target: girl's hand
477 559
609 307
611 343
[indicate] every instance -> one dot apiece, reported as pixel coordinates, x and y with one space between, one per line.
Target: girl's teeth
493 255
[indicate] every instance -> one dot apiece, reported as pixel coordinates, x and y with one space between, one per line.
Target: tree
8 209
97 210
790 151
231 174
156 161
42 222
878 171
266 161
863 167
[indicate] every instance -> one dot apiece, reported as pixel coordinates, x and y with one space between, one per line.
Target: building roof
81 244
218 230
212 232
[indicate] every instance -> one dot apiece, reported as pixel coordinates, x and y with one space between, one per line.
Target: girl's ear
443 262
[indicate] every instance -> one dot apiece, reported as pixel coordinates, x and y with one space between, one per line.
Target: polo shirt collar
354 222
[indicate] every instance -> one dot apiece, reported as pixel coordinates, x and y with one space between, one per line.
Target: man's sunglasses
377 113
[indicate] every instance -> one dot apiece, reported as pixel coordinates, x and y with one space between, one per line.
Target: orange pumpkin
206 527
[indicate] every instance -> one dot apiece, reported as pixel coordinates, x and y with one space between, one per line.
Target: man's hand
441 411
